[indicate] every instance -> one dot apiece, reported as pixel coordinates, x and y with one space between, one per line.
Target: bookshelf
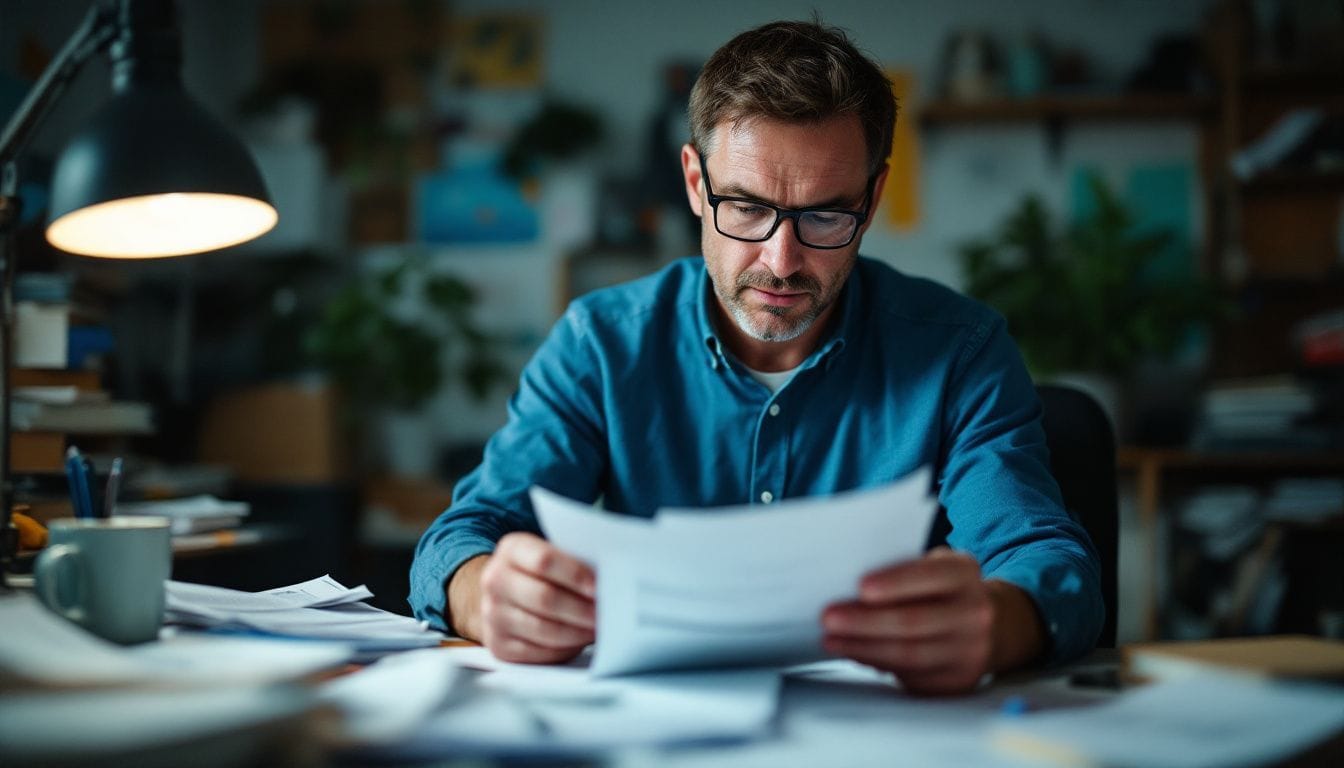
1068 108
1163 477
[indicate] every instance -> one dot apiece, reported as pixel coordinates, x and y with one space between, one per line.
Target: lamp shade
153 175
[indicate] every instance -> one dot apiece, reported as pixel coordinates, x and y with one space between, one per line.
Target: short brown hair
796 72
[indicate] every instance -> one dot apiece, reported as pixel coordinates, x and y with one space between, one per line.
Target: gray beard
742 316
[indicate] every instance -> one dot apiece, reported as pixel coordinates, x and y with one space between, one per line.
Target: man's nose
782 253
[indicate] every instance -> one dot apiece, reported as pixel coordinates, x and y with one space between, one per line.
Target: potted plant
1084 302
389 341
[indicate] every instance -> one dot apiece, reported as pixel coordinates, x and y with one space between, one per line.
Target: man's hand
528 602
935 623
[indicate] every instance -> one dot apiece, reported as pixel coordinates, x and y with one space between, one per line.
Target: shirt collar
850 312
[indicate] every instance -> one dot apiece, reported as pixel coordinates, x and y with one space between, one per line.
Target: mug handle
50 564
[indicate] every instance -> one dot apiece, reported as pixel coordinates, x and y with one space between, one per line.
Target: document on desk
450 701
1222 720
40 649
733 586
320 608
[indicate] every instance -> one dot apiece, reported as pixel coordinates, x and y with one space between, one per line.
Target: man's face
777 289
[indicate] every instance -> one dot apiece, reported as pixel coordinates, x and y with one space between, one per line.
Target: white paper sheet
390 699
737 585
315 593
319 608
554 709
1198 722
40 648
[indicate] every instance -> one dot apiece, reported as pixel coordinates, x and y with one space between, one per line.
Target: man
781 365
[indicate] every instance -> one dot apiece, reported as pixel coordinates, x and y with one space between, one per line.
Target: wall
609 54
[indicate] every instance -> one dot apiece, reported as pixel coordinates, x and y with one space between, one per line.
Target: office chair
1082 460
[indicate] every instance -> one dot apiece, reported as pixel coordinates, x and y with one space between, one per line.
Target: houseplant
1085 298
390 340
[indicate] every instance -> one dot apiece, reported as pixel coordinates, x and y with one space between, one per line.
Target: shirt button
774 409
767 497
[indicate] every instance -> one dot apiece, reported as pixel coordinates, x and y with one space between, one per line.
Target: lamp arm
96 32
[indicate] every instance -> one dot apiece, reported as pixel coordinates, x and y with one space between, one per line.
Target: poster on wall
900 196
497 50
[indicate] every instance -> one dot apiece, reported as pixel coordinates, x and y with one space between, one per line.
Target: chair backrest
1082 460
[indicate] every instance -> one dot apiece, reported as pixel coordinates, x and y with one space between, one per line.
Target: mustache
795 283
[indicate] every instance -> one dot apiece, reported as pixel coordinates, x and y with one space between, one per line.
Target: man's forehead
767 158
834 143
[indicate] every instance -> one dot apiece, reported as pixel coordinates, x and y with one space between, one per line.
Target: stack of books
1272 414
192 514
1306 499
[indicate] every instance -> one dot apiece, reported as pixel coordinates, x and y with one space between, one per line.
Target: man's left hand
935 623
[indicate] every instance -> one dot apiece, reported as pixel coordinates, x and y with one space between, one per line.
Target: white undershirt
773 380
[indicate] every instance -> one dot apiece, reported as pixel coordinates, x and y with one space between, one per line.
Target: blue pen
113 486
90 485
1015 706
78 473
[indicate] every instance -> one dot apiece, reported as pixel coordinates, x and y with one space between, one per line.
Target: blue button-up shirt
634 399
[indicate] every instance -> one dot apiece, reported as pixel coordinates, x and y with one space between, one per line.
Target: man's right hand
528 602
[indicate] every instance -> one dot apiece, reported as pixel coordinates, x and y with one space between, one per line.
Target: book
1277 656
67 394
85 418
87 380
41 334
37 452
194 514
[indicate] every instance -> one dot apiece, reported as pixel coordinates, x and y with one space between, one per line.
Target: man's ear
690 172
878 186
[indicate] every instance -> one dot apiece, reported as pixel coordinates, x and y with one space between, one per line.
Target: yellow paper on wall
900 196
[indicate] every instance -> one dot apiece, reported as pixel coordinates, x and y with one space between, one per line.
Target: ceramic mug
107 575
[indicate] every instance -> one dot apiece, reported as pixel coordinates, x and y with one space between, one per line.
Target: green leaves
1084 298
389 339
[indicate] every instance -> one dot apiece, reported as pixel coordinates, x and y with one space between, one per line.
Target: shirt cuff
1067 598
430 577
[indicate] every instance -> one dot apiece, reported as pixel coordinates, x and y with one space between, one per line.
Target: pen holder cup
107 575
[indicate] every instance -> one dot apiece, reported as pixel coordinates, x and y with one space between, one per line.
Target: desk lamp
150 175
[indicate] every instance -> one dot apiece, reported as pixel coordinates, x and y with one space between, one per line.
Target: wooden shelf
1129 457
1300 182
1291 78
1067 108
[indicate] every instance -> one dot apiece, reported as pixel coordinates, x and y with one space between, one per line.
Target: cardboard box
284 432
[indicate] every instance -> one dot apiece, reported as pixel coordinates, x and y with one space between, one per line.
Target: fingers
939 573
909 657
536 556
536 603
907 621
930 622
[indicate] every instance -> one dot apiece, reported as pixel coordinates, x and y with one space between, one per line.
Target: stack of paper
1197 722
451 701
193 514
40 649
734 586
320 608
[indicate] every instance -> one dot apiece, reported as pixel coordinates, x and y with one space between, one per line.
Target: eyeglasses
754 221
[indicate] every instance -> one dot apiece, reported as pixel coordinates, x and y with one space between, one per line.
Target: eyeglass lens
751 221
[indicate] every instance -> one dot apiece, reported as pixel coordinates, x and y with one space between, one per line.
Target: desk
836 715
1156 470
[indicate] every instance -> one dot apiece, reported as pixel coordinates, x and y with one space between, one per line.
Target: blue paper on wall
473 203
1159 195
1159 198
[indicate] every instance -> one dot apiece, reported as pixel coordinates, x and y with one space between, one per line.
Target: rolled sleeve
552 438
1003 503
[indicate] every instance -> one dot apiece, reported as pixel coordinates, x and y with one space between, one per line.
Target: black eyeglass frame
788 213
